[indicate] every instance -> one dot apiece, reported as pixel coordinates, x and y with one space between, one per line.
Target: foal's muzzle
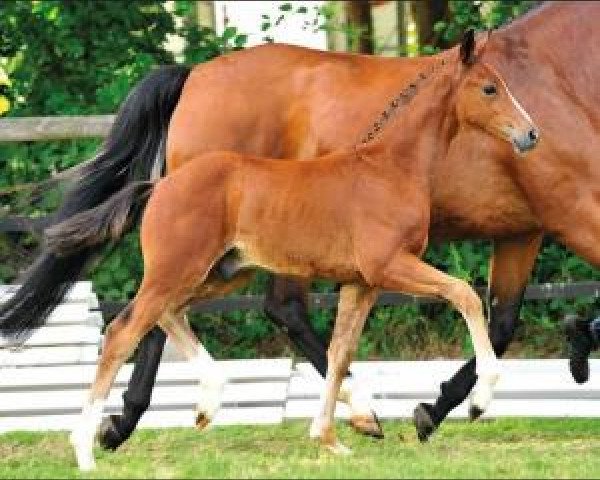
526 141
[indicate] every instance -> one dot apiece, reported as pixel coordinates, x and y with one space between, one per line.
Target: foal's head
484 101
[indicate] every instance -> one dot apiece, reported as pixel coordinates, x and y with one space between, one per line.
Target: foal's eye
489 90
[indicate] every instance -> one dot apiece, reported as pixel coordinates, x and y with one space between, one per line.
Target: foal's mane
405 96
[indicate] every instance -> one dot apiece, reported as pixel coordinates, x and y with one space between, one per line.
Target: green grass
507 448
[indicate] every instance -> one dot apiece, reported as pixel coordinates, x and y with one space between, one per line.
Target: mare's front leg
510 268
286 306
354 305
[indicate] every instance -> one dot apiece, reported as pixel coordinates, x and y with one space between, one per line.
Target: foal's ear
467 47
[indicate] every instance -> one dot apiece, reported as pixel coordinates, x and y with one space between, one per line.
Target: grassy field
507 448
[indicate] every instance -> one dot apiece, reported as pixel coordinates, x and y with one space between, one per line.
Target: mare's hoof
202 421
108 435
367 425
423 422
581 343
475 412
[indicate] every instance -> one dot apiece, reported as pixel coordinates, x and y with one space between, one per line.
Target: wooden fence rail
544 291
54 128
44 383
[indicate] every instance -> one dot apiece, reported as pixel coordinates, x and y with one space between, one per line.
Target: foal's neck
418 133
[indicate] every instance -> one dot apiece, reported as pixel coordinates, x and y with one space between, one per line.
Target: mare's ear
467 47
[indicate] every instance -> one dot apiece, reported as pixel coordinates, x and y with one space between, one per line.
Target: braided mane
402 99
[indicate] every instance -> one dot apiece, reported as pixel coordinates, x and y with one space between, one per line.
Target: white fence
43 385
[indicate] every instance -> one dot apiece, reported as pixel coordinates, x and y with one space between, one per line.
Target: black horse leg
116 429
510 268
286 306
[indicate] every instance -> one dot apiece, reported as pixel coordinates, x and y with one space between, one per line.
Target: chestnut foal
359 215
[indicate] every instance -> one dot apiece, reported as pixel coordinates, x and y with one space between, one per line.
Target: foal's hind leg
410 274
120 339
177 327
210 377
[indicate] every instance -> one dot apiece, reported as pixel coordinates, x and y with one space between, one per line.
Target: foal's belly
317 257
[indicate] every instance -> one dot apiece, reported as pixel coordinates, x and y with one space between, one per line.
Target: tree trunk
358 14
401 27
425 14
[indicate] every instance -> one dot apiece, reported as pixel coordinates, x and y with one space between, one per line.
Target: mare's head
484 101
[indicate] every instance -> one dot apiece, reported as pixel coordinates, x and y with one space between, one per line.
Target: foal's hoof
83 451
423 422
475 412
367 425
202 421
337 448
108 435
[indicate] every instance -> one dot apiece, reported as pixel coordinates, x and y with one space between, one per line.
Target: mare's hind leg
120 339
117 428
353 308
510 269
409 274
286 305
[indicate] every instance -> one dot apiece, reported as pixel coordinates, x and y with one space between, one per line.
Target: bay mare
306 102
359 215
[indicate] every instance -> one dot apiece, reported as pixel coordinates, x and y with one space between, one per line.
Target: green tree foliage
480 15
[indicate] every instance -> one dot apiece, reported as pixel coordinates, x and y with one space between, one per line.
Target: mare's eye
489 90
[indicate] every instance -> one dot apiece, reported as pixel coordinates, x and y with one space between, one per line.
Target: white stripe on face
517 105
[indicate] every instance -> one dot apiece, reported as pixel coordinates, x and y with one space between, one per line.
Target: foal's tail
108 221
134 150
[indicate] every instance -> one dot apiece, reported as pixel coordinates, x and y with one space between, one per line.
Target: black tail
133 150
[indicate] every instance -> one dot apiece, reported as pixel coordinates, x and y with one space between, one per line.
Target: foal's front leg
510 268
355 302
286 305
409 274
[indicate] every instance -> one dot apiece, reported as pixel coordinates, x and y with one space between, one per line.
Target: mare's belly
467 219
